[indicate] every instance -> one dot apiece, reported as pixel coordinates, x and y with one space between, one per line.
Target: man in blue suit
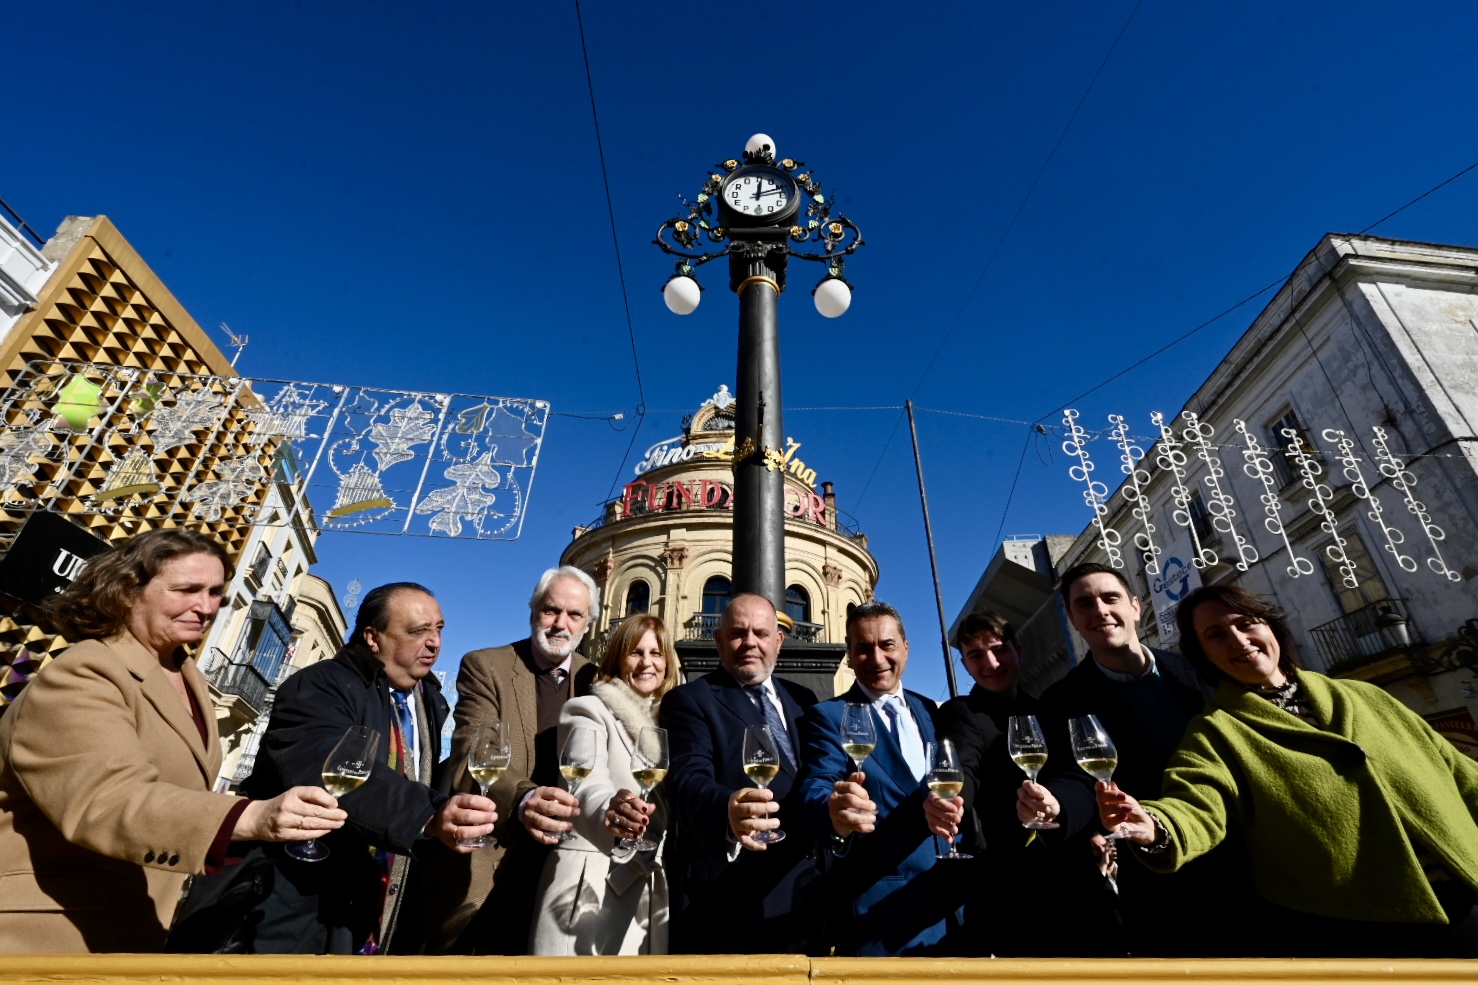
730 892
884 892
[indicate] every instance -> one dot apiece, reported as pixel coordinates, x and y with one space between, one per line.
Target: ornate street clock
759 195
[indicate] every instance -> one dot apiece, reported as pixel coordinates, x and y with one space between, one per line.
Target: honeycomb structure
104 306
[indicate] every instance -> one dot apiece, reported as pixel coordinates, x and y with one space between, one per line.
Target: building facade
1328 463
87 299
665 546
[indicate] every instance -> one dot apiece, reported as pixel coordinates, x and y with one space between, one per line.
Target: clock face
759 193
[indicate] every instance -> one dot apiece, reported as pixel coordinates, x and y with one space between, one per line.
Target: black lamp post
766 207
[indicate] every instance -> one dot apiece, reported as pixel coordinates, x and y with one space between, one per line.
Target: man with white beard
523 685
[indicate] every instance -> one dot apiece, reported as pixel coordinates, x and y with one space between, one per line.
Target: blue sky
413 198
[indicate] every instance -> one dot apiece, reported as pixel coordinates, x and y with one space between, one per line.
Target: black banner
47 554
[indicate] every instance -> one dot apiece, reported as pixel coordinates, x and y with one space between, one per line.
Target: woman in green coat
1361 823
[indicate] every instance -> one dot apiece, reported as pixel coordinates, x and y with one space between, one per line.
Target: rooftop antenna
238 342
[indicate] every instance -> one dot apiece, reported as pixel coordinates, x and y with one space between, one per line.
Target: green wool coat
1329 814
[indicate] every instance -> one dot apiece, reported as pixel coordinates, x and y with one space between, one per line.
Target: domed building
665 546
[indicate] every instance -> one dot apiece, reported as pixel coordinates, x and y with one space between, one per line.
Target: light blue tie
773 719
907 733
407 723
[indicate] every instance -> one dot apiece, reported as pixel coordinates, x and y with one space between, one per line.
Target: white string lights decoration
1309 471
1220 504
1094 492
1258 466
1346 453
1172 455
1394 469
1171 458
1135 492
122 440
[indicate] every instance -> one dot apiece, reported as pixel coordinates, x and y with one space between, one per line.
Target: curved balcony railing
703 625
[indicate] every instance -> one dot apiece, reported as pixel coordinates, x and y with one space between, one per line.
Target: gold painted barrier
764 969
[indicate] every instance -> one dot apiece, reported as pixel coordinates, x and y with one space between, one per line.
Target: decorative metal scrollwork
1309 471
1394 469
1345 449
1220 504
1094 493
1258 466
1172 458
683 236
1136 491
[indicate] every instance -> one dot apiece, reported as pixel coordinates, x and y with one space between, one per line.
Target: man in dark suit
732 893
885 892
1143 698
999 919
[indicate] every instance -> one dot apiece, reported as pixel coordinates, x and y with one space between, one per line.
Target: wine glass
576 760
762 764
1094 751
1028 748
345 769
946 780
650 764
487 760
859 738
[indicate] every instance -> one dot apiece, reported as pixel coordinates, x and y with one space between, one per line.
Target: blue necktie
910 743
773 719
407 724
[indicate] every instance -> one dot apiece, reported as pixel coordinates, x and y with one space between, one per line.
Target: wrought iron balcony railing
806 632
1365 633
244 681
703 625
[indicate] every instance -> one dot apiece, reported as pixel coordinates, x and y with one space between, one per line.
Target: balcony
244 681
806 632
703 625
1361 636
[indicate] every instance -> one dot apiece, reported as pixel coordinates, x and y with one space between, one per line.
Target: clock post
759 217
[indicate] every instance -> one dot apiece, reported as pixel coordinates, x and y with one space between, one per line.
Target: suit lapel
526 700
159 692
733 698
887 754
195 680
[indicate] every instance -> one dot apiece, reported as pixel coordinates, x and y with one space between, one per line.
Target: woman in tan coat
108 756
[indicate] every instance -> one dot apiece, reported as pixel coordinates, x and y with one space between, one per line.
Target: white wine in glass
650 768
1028 749
762 764
946 779
487 761
859 737
345 769
576 761
1094 751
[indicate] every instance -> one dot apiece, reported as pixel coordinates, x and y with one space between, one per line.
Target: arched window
716 593
638 597
798 603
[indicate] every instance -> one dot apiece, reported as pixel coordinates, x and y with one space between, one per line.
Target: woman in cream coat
108 756
595 897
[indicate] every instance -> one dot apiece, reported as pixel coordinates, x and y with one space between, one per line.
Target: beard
556 647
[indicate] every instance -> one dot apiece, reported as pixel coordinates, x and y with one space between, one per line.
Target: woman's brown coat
105 802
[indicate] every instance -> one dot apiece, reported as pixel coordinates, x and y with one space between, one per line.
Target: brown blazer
105 802
493 685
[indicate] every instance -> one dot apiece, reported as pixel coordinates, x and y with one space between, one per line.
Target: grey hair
565 571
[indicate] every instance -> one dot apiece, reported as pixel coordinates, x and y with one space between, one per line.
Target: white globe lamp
682 294
833 297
